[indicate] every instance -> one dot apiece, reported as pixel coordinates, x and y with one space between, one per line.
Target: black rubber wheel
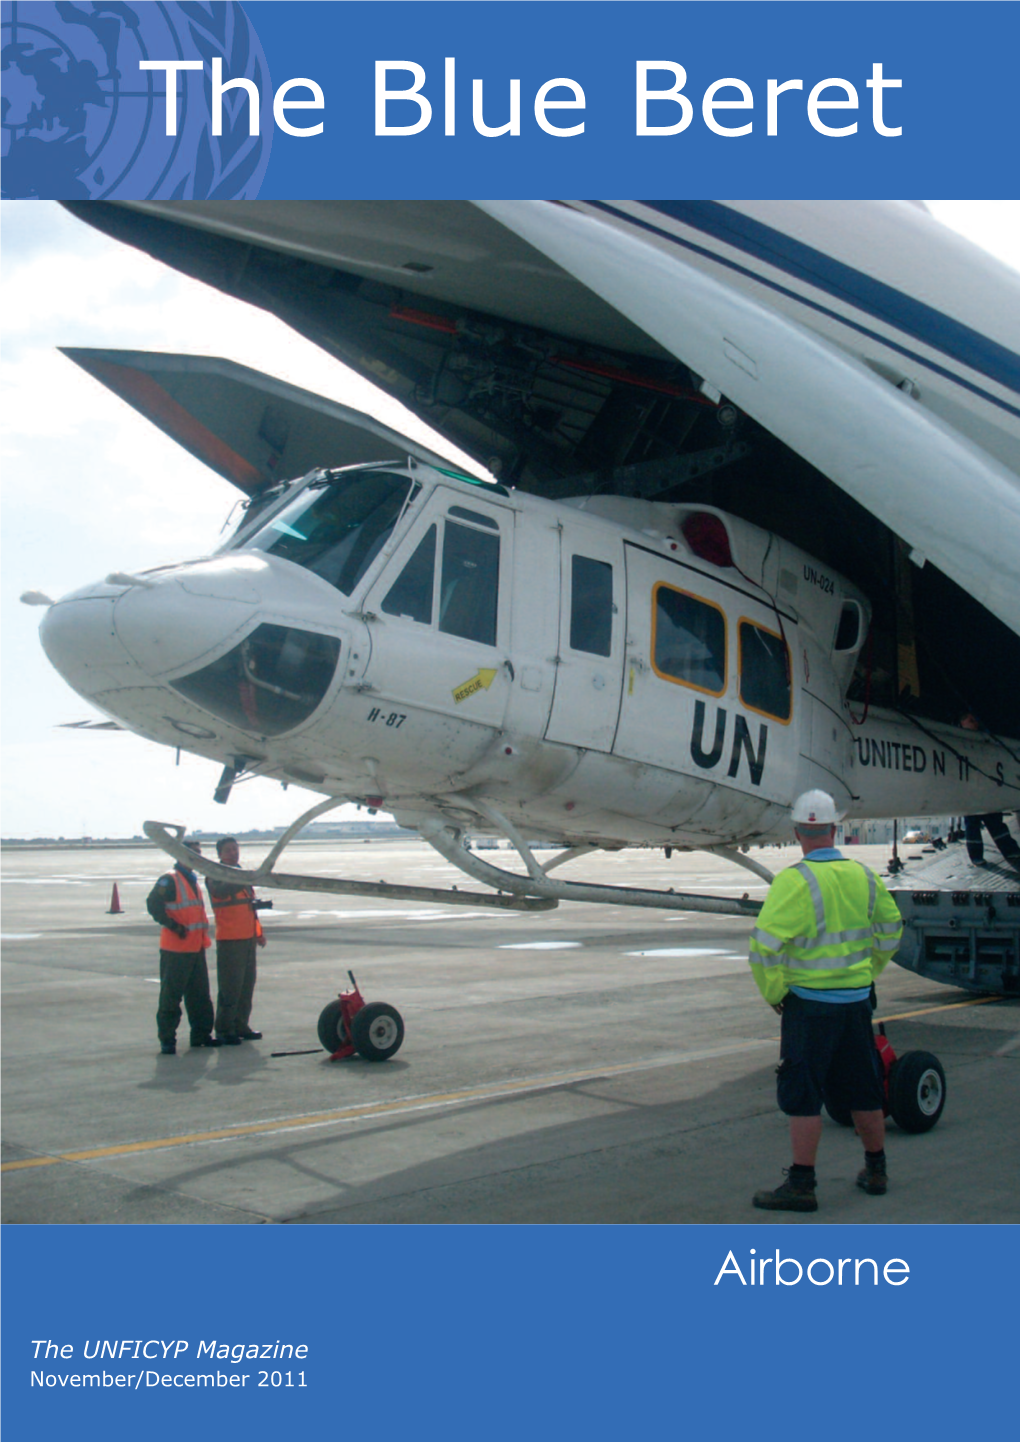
917 1091
332 1032
377 1031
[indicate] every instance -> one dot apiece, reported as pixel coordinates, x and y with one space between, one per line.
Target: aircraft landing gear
915 1088
347 1025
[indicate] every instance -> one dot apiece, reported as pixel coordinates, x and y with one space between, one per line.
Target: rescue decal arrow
481 681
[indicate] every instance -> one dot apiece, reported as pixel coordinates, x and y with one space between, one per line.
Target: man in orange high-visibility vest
175 902
238 933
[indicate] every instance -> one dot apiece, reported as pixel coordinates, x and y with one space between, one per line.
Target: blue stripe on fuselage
867 295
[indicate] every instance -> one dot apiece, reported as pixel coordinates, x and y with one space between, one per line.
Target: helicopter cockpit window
338 525
591 605
469 590
764 671
268 684
689 643
410 595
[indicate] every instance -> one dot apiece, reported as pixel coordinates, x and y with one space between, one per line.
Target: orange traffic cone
115 906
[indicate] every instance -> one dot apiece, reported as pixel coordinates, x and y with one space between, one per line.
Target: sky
89 487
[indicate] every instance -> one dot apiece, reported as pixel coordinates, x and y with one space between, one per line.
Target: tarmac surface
589 1064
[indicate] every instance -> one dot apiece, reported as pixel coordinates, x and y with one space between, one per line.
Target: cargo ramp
961 921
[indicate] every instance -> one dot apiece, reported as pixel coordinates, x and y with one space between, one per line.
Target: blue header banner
444 99
488 1332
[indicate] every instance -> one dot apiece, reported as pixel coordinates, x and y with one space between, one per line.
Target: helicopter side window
269 683
591 605
848 632
469 591
410 595
689 640
764 671
336 527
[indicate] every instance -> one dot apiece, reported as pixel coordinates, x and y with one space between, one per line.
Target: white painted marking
457 915
538 945
399 914
20 935
680 951
49 880
366 915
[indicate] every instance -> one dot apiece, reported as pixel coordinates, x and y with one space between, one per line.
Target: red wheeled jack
914 1085
374 1029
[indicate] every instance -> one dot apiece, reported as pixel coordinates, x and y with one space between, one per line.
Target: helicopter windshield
337 524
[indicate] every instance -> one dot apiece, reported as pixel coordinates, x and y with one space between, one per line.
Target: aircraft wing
951 501
250 428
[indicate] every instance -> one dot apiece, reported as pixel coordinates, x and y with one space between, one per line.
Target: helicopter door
586 698
438 614
709 686
676 662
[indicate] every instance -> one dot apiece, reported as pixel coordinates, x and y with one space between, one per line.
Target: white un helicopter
755 527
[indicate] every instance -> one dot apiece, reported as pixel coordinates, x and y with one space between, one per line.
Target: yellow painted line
424 1103
927 1010
405 1104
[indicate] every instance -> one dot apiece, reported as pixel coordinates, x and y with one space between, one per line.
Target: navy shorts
828 1049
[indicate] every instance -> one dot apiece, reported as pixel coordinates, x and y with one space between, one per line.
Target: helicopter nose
133 630
245 639
81 642
166 622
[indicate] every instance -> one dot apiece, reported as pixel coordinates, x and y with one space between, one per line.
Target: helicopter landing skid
170 838
448 840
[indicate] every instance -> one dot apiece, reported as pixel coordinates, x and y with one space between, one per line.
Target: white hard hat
815 808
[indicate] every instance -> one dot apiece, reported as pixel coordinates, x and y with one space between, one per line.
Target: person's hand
260 941
179 930
777 1007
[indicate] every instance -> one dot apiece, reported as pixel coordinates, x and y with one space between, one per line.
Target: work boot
227 1039
873 1178
795 1195
249 1035
168 1048
197 1041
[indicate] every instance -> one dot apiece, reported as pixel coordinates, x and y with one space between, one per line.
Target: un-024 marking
395 719
824 583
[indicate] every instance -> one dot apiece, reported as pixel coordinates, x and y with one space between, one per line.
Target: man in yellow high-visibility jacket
827 929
